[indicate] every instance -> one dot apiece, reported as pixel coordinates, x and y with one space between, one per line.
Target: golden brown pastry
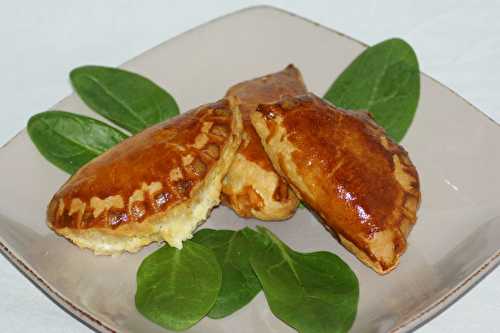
361 183
252 187
157 185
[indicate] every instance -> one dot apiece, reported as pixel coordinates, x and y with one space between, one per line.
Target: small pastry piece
159 184
361 183
252 187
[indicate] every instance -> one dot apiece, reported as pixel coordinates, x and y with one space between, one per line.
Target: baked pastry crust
252 188
343 165
159 184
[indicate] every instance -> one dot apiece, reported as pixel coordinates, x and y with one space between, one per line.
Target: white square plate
455 148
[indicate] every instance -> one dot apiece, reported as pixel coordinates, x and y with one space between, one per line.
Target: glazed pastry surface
252 188
156 185
362 184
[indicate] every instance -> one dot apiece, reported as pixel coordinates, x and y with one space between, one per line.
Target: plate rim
417 320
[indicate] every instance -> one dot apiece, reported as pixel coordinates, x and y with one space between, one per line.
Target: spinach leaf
127 99
176 288
385 80
233 250
69 140
312 292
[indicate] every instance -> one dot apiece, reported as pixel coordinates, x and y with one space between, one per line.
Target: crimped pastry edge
187 215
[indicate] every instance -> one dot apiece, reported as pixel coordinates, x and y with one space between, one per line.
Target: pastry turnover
252 187
157 185
361 183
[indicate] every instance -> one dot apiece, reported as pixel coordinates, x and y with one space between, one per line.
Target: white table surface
457 42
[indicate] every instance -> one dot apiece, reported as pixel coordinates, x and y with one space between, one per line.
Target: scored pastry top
146 173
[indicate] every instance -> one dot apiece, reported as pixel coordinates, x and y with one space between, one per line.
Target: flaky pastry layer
252 188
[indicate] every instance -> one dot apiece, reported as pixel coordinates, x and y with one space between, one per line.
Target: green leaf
127 99
233 250
385 80
176 288
312 292
69 140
